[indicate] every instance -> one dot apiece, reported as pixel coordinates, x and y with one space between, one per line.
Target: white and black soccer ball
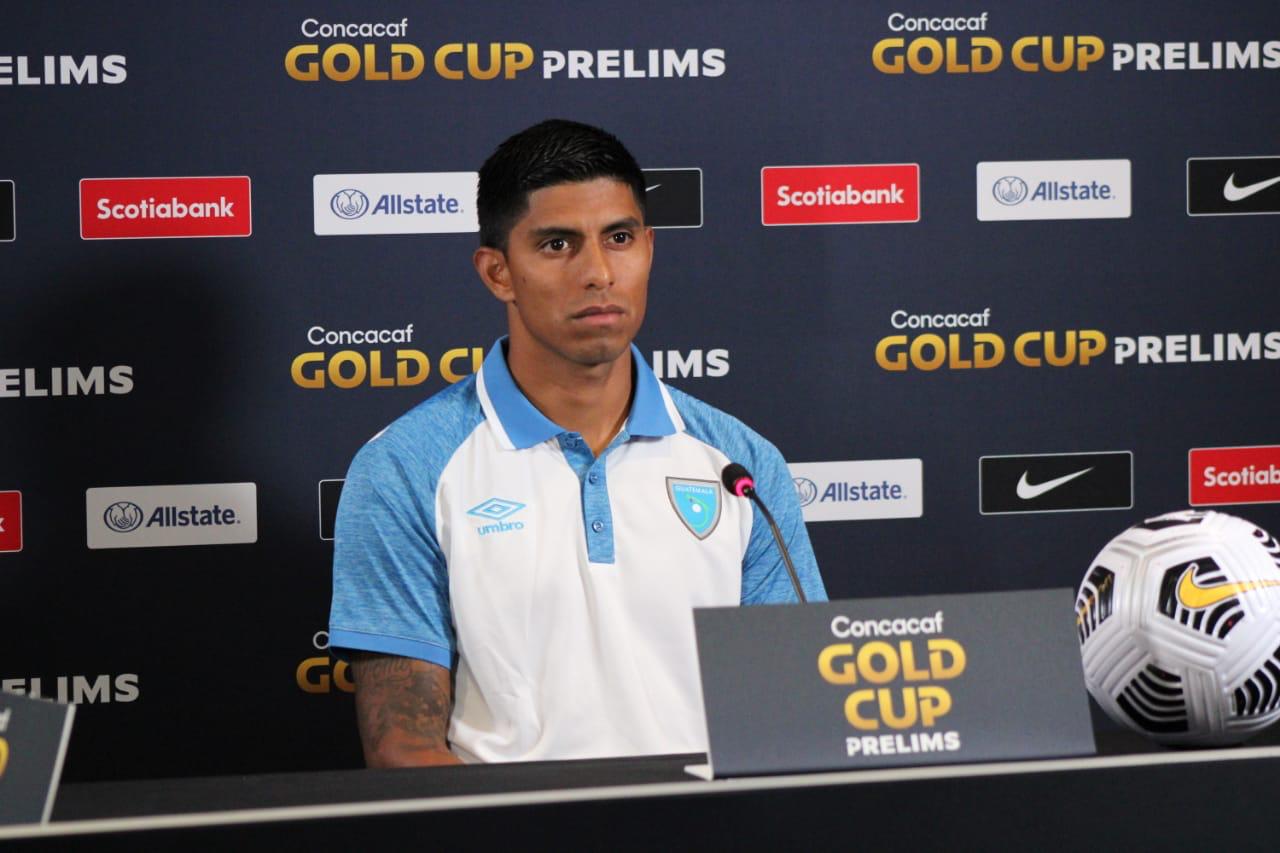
1179 626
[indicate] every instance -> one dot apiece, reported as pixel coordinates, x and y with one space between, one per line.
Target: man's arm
764 576
402 710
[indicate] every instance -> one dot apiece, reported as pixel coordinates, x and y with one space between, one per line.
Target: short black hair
552 152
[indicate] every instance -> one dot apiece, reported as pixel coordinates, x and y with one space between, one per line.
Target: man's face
576 272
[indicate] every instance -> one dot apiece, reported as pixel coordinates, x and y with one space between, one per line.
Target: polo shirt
474 532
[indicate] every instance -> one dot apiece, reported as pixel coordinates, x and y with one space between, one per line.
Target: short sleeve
764 574
390 578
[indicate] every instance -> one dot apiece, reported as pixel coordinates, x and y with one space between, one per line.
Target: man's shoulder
430 432
721 430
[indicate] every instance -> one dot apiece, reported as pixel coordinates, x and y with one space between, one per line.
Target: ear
491 266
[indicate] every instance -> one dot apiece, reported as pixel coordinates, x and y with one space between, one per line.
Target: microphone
738 480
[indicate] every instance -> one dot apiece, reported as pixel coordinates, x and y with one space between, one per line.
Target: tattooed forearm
402 708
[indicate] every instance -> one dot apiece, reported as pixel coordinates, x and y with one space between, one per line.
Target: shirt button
593 477
597 526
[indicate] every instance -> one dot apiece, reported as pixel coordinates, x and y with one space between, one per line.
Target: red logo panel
839 195
10 521
133 208
1234 475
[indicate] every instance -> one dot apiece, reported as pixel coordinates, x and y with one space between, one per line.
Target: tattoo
404 699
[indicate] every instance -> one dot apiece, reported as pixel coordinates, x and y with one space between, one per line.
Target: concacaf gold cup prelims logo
963 340
377 358
964 48
342 52
966 44
899 697
323 673
965 343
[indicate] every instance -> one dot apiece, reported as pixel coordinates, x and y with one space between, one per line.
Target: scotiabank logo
10 521
140 208
840 195
1234 475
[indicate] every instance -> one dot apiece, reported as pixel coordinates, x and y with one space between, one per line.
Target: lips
601 312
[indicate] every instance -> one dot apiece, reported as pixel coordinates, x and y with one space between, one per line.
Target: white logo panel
162 516
1054 189
860 490
395 203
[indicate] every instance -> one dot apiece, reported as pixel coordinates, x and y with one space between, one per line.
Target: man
517 558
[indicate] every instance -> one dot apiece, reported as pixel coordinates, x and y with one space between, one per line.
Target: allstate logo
1010 190
123 516
349 204
806 490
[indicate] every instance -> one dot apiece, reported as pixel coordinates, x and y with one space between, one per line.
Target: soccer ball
1179 626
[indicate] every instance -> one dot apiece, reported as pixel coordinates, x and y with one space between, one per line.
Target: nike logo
1 524
1231 192
1196 597
655 186
1026 491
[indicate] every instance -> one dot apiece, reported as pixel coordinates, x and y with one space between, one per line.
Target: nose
597 274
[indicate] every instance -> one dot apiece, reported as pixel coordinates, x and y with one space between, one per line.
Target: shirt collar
526 426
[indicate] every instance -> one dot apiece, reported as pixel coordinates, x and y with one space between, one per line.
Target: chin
603 351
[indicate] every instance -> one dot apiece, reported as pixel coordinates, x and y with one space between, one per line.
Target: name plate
33 741
888 682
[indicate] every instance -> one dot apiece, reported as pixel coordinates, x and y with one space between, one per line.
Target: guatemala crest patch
697 503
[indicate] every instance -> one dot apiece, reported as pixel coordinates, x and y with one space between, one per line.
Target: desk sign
33 741
888 682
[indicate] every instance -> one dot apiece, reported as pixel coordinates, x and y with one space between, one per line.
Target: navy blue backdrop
209 656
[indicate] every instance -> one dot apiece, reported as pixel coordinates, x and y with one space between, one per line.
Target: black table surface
91 800
115 799
1132 796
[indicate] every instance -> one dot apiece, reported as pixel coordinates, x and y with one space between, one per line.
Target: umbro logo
497 510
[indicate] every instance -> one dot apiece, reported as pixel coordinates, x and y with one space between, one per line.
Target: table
1132 796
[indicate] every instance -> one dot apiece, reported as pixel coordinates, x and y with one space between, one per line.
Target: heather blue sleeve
764 575
390 579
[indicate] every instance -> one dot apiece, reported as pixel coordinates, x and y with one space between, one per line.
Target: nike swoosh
655 186
1026 491
1196 597
1231 192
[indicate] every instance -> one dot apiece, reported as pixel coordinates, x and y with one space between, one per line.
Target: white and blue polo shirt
474 530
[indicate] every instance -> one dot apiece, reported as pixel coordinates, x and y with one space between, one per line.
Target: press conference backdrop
946 256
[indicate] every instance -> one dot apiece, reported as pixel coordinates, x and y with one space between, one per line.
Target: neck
591 400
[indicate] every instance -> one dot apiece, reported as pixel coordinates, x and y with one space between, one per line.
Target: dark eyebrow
537 235
621 224
549 232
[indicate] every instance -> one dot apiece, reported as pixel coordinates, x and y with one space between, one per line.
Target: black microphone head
736 479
